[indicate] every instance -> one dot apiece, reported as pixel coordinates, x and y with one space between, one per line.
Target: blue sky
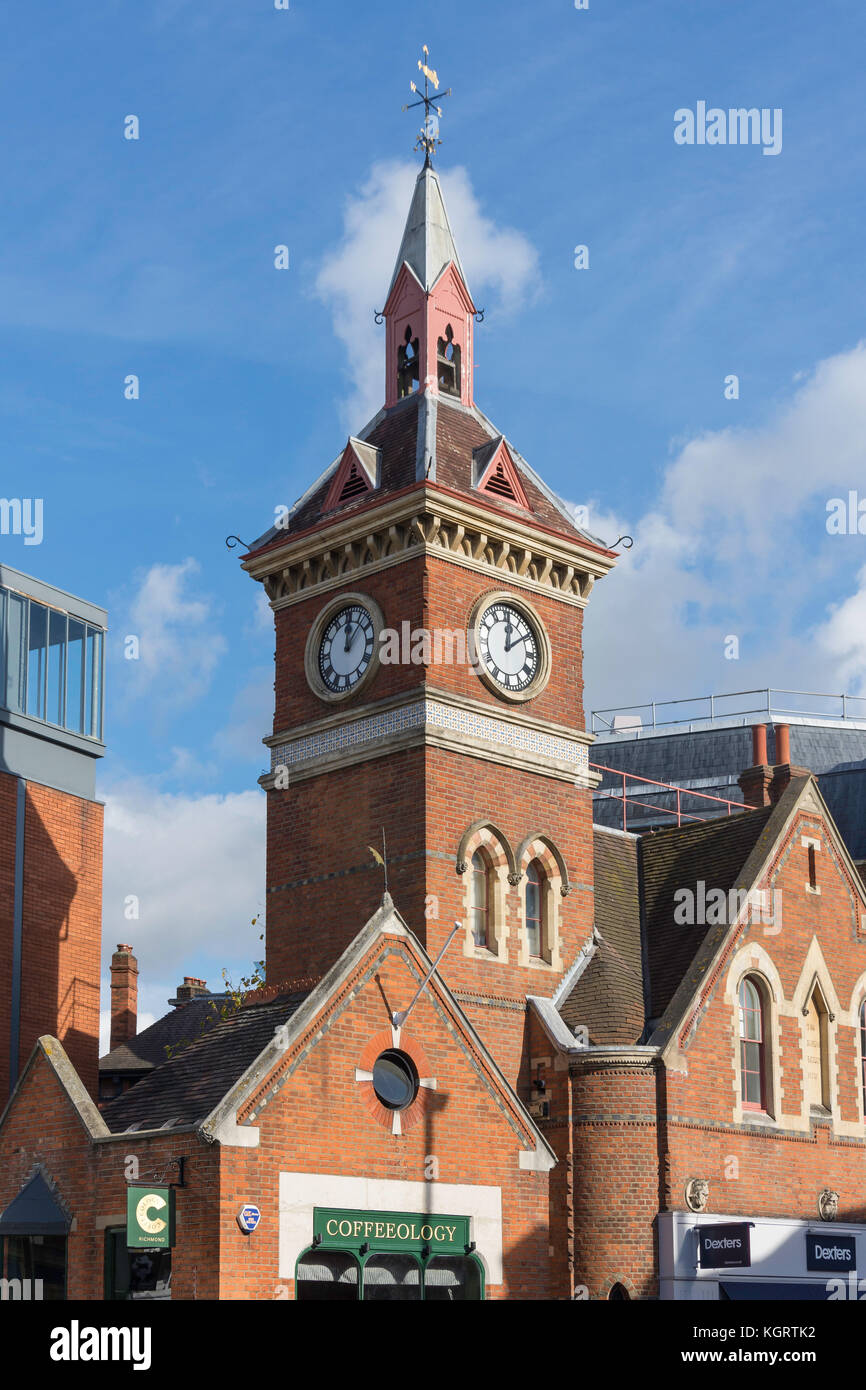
260 127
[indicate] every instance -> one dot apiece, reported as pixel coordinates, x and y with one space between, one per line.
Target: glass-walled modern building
52 678
51 664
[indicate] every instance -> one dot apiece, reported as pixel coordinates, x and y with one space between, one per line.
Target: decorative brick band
438 714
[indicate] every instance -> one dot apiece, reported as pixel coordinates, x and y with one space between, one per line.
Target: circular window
395 1080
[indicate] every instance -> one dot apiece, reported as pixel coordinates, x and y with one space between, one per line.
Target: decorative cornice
427 520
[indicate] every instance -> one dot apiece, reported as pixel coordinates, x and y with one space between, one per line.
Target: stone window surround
751 959
507 872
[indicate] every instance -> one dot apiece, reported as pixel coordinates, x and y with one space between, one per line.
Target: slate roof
639 955
428 242
186 1088
404 435
147 1049
607 997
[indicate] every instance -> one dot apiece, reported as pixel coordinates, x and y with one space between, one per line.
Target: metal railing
710 709
669 787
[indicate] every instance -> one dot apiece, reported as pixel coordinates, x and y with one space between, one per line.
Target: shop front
389 1256
745 1259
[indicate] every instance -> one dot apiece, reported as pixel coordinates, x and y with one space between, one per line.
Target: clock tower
428 592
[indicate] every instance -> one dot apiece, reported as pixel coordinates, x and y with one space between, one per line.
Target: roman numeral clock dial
346 649
342 647
512 649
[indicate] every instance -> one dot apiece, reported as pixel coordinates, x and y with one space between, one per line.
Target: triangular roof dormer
495 473
357 472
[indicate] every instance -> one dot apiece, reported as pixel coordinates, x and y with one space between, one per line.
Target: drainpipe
17 933
569 1188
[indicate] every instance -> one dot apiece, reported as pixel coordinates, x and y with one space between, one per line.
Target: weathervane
428 137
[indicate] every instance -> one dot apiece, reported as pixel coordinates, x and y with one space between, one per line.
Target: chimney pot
783 744
759 745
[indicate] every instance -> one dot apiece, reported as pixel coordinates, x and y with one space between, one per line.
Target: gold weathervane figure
428 137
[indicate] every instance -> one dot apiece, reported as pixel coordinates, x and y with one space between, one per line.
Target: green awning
34 1212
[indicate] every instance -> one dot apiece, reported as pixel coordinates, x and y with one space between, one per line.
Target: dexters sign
149 1218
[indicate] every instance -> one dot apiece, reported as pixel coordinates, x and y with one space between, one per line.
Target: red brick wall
8 801
318 1122
638 1140
319 829
43 1128
62 926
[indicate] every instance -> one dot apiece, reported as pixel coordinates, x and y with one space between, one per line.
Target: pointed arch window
408 355
448 363
536 933
482 899
816 1051
753 1054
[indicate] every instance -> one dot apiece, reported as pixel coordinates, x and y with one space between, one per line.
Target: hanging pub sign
724 1247
149 1218
334 1228
836 1253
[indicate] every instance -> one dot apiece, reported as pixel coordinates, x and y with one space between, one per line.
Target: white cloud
736 543
196 864
355 276
843 637
179 646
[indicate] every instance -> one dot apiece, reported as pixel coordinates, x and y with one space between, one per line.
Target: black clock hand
516 642
349 636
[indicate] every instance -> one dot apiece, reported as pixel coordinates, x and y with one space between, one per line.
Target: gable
334 1052
357 474
495 473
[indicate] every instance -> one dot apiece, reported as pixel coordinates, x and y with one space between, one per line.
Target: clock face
346 648
508 647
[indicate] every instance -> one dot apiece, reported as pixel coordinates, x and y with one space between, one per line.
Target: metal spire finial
428 138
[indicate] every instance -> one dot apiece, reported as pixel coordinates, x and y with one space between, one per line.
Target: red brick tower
429 542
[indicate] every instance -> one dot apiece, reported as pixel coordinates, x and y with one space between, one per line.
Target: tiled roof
640 955
714 853
148 1048
400 434
607 997
186 1088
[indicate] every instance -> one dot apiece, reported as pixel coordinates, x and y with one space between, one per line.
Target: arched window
448 363
753 1061
535 925
618 1294
816 1049
407 364
863 1050
481 899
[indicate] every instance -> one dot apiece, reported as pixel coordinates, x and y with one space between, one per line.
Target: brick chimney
190 989
124 995
757 780
762 784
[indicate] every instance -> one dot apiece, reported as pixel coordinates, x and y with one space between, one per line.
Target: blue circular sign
249 1217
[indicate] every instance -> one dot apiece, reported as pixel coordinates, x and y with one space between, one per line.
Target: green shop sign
337 1229
149 1218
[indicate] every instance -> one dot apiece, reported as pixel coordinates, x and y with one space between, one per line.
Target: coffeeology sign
724 1247
149 1218
335 1228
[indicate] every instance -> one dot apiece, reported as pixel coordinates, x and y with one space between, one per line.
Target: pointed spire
428 242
